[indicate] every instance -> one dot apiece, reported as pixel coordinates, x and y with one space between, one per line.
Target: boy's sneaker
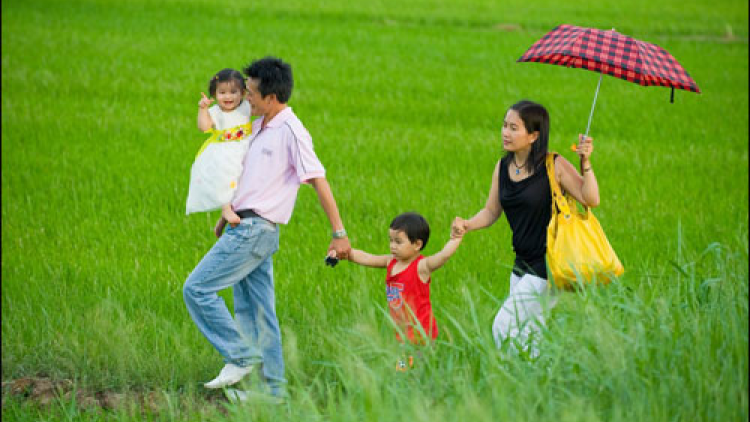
230 374
404 365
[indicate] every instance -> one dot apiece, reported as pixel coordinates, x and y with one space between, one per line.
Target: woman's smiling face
514 133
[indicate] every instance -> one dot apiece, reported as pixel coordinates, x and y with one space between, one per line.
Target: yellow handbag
577 249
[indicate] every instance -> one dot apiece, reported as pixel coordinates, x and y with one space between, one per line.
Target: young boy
408 275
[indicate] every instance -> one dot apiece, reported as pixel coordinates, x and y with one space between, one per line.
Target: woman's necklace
518 168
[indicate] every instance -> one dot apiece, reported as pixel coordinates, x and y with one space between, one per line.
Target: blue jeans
241 258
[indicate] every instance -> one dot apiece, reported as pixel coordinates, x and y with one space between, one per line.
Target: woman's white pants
521 318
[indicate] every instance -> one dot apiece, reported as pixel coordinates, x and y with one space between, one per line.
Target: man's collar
280 118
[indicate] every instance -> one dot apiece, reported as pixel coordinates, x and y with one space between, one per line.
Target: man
279 159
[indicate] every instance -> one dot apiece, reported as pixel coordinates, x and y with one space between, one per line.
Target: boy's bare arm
431 263
363 258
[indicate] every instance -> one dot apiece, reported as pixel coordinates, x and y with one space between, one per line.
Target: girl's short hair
414 225
226 75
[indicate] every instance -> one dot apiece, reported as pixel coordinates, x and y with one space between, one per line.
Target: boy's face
401 248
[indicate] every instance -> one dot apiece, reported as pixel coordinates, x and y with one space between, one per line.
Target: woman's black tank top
528 208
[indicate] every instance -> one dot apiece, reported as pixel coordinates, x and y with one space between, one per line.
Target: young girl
520 187
408 275
230 114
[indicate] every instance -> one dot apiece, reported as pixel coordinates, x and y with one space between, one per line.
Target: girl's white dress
218 164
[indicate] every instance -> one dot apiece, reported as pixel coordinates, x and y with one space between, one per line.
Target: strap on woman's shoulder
557 195
550 164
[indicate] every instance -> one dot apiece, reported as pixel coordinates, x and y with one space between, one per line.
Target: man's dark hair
414 225
274 77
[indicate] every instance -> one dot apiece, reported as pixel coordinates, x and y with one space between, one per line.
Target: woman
520 187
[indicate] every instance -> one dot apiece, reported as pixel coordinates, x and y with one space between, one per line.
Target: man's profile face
258 104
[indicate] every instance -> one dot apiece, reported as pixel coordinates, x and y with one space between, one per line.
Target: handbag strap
557 196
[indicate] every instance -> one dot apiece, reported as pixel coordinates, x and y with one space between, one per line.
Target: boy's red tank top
407 297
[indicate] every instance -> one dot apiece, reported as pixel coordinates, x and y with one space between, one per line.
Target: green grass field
404 103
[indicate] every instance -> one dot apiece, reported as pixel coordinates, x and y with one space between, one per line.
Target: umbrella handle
591 114
596 94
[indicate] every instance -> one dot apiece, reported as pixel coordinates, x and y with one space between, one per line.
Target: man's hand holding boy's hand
341 247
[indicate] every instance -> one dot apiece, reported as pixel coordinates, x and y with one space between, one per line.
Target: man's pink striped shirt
279 159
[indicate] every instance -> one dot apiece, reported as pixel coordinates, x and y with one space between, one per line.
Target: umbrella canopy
611 53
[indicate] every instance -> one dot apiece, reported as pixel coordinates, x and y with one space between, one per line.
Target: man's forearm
325 196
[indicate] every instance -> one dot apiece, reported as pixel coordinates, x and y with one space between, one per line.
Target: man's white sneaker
230 374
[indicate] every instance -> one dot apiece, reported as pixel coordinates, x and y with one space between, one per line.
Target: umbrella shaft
596 94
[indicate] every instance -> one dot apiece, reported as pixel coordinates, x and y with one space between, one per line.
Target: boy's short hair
414 225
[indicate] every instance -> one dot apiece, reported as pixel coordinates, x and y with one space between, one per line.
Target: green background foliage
404 101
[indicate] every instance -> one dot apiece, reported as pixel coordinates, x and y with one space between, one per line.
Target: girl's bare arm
205 122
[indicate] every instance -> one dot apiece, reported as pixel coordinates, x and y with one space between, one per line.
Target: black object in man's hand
332 261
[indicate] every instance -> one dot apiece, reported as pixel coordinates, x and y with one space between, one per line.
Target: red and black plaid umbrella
611 53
